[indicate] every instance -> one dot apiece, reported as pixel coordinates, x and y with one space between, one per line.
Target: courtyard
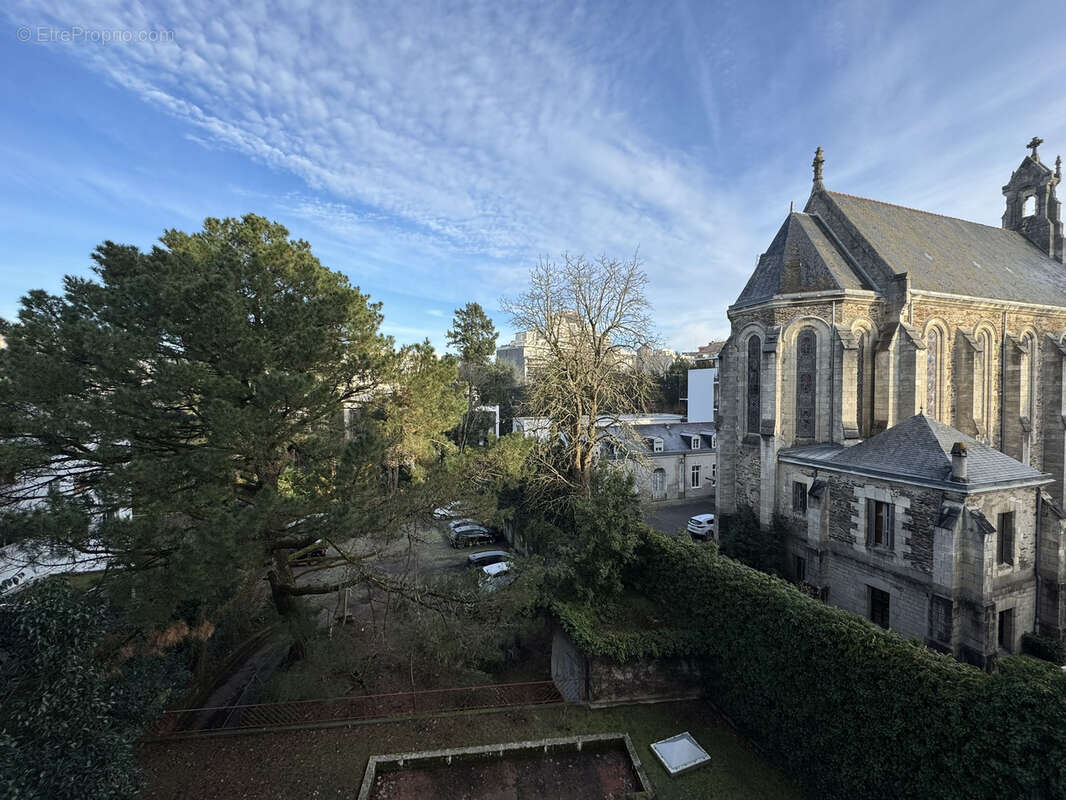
330 762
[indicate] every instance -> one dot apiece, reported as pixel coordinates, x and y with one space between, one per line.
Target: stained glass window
754 398
806 366
932 379
860 378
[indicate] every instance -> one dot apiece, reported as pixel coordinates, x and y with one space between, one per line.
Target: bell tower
1032 207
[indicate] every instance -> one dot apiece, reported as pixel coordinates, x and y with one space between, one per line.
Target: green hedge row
1048 648
850 710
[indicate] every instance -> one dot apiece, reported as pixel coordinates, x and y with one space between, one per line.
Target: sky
433 151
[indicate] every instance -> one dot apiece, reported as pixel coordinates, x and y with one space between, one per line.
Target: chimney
958 462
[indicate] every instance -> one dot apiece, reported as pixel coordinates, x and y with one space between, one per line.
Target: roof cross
1034 143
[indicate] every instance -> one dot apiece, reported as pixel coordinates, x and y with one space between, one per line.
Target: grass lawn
329 763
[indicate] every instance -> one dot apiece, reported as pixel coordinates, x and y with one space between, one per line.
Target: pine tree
231 390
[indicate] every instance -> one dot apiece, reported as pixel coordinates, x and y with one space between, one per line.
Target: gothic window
860 376
985 404
932 379
1028 375
754 398
806 366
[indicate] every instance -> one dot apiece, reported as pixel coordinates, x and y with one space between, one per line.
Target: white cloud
448 145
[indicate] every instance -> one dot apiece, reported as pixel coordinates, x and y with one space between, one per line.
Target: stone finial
819 160
1058 168
1034 143
958 462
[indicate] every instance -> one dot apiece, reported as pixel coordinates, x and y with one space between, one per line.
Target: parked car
450 511
470 535
484 558
308 554
463 523
494 576
701 526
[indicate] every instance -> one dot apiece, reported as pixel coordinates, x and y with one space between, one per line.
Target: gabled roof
919 449
801 258
953 256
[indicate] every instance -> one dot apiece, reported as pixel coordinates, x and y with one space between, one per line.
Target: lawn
329 762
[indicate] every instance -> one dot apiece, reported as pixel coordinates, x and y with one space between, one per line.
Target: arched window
753 396
985 404
860 378
806 382
1028 375
1029 206
932 375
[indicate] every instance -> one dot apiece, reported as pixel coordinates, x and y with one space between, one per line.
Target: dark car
470 535
486 557
309 554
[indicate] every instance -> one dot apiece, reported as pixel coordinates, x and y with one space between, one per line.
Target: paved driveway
673 517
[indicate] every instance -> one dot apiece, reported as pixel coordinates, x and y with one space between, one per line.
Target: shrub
744 539
851 710
1048 648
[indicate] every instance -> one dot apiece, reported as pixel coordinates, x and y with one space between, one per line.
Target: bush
743 539
1047 648
851 710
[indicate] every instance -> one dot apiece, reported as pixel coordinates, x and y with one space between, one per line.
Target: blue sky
432 151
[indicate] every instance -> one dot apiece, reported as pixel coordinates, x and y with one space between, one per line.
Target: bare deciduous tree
587 319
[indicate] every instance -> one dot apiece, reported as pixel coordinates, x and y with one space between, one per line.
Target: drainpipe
1002 384
1036 559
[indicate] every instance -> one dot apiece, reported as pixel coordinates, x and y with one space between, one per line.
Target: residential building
871 342
669 461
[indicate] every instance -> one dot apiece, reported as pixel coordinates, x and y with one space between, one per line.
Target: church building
894 390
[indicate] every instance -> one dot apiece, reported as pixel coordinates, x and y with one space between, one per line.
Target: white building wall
701 394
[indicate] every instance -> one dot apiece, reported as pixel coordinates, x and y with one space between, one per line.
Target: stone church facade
863 317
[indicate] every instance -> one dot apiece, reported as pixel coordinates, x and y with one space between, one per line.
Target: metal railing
345 709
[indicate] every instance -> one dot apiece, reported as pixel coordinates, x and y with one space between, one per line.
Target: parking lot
672 518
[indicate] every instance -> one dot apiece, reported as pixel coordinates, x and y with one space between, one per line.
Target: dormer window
656 444
695 442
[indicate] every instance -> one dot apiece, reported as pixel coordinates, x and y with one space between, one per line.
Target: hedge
850 710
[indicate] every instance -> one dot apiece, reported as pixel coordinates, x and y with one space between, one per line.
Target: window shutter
870 507
891 527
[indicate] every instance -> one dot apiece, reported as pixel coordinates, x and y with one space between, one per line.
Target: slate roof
801 258
955 256
675 435
919 448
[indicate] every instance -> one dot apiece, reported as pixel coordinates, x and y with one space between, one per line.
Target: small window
657 445
695 442
799 568
799 497
879 605
695 476
714 442
1006 538
1006 629
880 524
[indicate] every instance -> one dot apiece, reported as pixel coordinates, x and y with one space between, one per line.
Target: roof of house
676 436
955 256
919 449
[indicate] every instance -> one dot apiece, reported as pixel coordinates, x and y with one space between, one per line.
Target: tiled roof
801 258
920 448
955 256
